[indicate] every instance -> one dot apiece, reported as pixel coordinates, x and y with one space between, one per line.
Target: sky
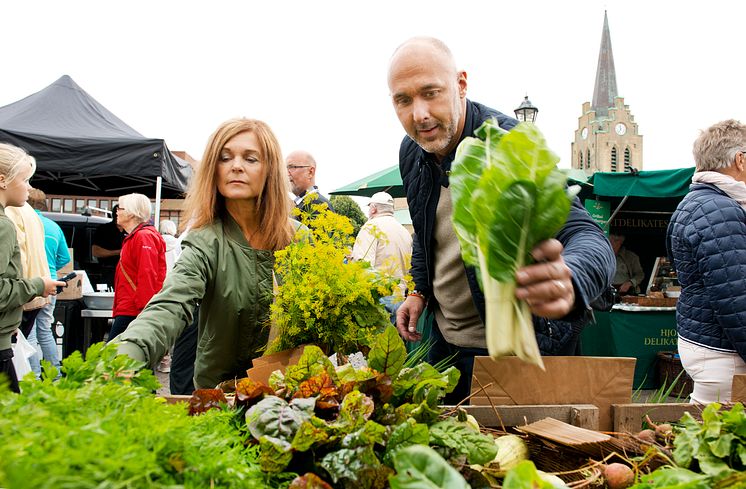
316 71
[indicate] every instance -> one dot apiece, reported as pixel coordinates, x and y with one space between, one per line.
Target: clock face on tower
584 133
621 129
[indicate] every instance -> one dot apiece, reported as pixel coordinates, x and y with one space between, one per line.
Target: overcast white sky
316 71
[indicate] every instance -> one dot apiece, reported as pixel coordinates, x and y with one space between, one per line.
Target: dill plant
322 298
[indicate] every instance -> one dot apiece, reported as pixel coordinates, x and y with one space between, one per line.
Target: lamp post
526 111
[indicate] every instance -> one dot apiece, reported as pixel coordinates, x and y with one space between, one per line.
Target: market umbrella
388 180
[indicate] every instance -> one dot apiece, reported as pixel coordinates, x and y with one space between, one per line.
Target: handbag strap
129 280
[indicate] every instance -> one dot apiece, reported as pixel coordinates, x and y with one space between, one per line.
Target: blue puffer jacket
706 242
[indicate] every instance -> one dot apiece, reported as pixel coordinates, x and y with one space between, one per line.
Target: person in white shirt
386 245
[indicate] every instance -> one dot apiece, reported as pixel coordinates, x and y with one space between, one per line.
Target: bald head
428 93
301 171
427 46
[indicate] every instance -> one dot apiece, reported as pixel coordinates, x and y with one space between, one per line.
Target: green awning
387 180
658 183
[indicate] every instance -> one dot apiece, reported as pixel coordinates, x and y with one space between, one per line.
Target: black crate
68 313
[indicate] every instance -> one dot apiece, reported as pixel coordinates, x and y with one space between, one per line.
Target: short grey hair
387 208
168 227
136 204
716 147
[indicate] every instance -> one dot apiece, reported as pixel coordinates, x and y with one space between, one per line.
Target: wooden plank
581 415
628 418
173 399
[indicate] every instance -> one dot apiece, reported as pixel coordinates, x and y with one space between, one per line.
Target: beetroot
618 476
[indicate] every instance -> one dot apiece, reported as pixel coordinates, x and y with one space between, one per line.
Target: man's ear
461 80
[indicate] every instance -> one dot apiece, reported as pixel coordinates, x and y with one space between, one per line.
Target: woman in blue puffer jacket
706 242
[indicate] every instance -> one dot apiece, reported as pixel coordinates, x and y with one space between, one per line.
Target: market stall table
629 330
98 318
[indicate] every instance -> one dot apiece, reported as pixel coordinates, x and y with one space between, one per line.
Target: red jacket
143 260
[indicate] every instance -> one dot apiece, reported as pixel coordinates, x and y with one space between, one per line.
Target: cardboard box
73 291
601 381
739 388
67 268
265 365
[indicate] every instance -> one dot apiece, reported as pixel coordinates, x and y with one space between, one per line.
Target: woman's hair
204 204
136 204
717 146
14 161
168 227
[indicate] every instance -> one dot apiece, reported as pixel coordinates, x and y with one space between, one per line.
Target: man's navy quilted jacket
706 242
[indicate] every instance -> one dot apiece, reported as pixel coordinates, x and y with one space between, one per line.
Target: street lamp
526 111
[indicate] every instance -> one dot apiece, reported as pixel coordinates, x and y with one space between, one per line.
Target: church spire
604 91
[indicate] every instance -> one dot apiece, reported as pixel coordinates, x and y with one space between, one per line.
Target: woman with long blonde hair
237 210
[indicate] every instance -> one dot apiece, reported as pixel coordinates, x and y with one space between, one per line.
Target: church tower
607 138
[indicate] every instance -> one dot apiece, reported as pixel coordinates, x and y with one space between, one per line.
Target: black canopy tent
81 147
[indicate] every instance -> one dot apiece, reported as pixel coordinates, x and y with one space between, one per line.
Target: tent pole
157 219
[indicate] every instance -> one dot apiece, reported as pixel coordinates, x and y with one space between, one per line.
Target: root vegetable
618 476
663 430
647 435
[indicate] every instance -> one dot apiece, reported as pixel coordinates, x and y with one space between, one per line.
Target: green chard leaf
358 467
355 410
478 448
311 363
275 454
675 477
510 181
312 432
388 352
420 467
276 418
408 433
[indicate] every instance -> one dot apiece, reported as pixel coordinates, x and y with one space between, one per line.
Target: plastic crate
669 368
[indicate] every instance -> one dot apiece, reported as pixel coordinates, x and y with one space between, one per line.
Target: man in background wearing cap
386 245
302 175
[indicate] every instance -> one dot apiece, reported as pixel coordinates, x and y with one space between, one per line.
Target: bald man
428 92
302 174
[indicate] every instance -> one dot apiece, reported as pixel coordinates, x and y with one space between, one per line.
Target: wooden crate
628 418
580 415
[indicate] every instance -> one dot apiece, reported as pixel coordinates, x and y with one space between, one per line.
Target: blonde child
16 169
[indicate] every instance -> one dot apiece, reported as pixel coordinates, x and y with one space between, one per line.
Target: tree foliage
345 206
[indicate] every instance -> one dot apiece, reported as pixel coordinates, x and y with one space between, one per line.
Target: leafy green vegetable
388 353
508 196
525 476
274 417
717 445
101 426
460 437
673 478
406 434
420 467
356 467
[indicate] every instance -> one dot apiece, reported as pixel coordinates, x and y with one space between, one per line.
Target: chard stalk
509 326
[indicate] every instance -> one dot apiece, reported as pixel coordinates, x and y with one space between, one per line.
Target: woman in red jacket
142 266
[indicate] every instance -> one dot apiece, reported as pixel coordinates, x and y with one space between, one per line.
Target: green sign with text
600 211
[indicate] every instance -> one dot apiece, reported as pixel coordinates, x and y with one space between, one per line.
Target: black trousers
183 356
464 361
7 370
28 320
